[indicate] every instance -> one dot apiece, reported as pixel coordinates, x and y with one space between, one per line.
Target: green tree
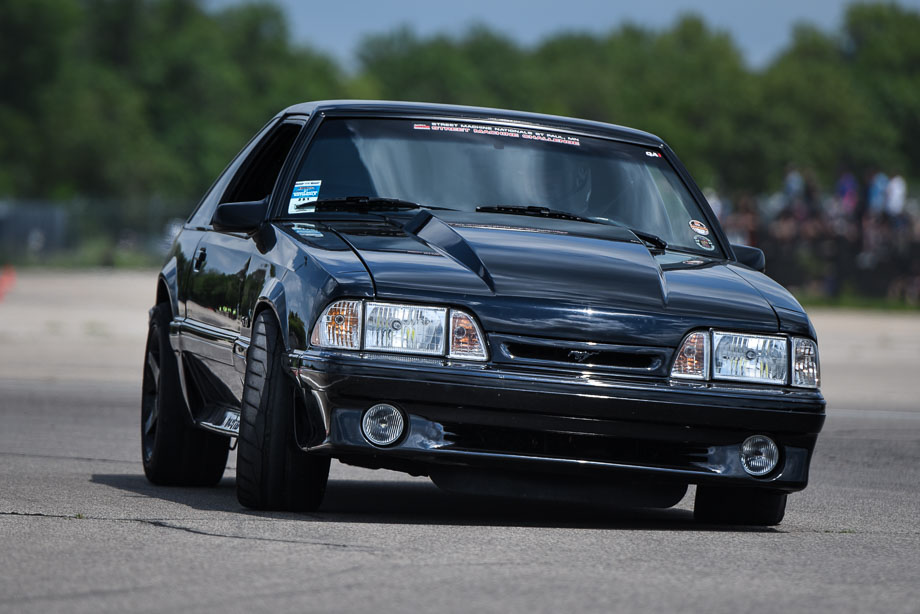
814 114
141 98
882 45
36 44
481 68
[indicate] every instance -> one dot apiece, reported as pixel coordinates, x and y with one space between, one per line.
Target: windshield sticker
306 230
699 228
305 192
653 154
704 243
503 131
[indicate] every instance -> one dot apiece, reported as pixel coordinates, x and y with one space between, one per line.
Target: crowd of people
862 237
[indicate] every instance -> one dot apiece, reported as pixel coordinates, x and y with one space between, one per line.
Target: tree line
140 99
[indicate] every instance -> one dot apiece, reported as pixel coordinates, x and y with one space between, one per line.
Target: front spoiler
543 421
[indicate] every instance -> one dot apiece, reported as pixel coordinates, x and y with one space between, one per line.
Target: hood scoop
448 241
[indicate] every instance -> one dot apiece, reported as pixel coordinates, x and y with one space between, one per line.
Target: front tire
272 472
739 506
174 451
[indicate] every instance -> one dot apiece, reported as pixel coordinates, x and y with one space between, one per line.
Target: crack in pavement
69 597
38 514
166 525
162 524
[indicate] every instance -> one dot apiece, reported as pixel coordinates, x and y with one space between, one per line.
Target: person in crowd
842 242
847 193
793 185
895 197
876 193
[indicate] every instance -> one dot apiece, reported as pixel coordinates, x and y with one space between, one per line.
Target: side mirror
750 257
240 217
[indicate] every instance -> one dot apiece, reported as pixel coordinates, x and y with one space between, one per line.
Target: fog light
759 455
383 424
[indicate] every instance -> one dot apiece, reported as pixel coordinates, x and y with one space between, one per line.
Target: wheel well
266 306
163 294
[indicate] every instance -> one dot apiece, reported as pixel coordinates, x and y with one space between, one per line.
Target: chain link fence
88 232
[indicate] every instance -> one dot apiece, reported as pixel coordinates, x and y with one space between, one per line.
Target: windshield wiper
648 237
360 203
536 212
652 239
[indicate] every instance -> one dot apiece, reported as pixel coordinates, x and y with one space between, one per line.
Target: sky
761 28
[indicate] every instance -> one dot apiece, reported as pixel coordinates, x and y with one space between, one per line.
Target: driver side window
258 174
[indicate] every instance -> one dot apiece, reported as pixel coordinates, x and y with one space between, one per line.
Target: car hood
554 278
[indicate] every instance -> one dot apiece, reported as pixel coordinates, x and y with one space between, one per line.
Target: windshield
468 165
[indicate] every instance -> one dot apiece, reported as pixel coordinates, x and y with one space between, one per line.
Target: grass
853 301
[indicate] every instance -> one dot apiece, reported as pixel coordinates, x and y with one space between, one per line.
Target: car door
215 280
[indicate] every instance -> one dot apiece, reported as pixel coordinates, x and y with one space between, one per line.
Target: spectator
895 195
876 194
843 243
847 194
793 185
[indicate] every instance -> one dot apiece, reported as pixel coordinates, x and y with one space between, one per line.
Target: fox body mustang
509 303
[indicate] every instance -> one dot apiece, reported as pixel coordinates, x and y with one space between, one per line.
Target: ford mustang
510 303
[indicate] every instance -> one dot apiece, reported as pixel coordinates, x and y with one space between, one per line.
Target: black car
509 303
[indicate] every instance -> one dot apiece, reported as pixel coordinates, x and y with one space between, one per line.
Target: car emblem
580 355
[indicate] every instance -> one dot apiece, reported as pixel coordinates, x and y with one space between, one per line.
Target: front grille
601 358
581 355
601 448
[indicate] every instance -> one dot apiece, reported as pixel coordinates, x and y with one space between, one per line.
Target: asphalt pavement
81 530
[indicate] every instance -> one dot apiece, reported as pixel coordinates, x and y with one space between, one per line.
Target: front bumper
552 422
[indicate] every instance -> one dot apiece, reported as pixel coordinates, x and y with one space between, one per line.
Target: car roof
460 111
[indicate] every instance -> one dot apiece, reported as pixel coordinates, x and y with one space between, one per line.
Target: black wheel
739 506
175 452
272 472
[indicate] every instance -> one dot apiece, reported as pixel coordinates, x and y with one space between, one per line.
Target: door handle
199 259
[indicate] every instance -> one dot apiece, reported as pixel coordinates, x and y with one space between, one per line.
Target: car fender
272 297
168 282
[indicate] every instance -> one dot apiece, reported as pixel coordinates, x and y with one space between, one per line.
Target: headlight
406 329
750 358
760 359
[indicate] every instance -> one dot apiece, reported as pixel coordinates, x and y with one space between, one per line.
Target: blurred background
800 120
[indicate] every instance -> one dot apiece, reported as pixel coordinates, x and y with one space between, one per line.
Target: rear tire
272 472
739 506
175 452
